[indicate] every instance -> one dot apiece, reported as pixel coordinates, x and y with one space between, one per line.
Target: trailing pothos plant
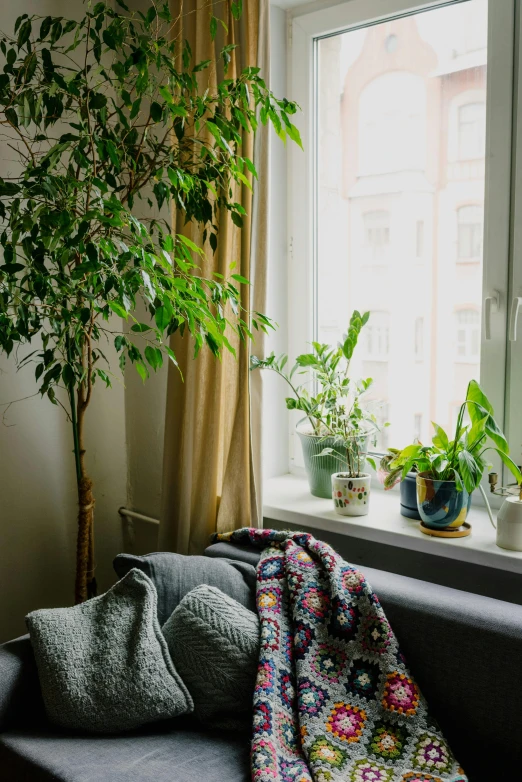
462 459
105 119
336 409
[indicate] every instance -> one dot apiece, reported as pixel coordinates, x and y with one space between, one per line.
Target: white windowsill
287 499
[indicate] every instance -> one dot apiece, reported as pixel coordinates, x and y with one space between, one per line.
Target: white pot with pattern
351 496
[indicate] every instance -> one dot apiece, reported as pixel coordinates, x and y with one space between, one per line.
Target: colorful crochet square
269 599
288 647
264 760
287 733
265 676
270 634
310 697
344 620
286 690
328 663
293 770
346 722
304 635
294 581
274 567
352 580
432 754
315 601
301 558
367 771
416 777
376 634
363 679
322 751
262 719
400 695
388 741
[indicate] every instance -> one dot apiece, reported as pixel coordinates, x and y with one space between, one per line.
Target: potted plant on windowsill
408 485
335 424
450 470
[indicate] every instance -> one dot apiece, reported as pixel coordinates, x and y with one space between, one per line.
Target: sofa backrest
465 651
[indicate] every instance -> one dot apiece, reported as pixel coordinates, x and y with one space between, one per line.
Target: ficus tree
107 122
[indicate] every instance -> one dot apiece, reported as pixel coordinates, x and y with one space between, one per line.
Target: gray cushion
104 665
465 652
214 644
174 575
21 701
167 755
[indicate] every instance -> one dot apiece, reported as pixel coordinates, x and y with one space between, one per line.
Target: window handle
515 307
491 304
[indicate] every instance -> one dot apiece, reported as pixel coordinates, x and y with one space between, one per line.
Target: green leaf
240 278
154 356
140 328
156 112
510 464
118 309
142 370
469 469
213 27
440 438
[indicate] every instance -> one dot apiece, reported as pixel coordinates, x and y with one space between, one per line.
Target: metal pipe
131 514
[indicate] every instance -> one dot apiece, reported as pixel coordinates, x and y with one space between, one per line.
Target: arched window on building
470 230
472 131
378 336
468 335
376 234
392 124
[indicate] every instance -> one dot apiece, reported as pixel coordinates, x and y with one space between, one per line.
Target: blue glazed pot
408 491
440 505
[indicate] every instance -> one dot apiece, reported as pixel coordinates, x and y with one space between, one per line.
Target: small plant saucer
459 532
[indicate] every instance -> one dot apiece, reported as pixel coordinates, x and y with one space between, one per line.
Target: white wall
37 486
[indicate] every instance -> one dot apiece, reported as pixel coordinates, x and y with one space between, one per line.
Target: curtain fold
212 452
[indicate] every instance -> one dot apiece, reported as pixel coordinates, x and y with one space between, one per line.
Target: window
470 230
390 82
376 234
417 427
419 240
468 335
419 339
472 131
377 334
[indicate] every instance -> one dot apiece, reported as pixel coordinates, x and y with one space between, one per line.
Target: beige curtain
212 453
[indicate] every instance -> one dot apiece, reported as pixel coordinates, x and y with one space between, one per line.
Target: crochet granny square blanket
334 699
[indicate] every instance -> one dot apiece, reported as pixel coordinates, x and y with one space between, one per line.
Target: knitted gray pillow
104 665
214 644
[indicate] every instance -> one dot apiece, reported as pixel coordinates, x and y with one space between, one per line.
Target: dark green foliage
104 125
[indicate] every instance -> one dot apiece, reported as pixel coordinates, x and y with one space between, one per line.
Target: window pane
401 160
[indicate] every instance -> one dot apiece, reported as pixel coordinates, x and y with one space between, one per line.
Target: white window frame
498 280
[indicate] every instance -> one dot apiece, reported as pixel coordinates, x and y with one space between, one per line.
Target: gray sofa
465 651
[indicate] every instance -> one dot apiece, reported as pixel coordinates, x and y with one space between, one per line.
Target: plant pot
439 503
351 496
408 490
319 469
509 524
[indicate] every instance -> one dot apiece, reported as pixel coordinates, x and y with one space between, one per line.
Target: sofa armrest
21 702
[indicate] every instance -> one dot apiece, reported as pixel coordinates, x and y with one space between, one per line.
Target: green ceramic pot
319 469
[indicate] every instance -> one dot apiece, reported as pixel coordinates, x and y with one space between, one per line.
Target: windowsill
287 499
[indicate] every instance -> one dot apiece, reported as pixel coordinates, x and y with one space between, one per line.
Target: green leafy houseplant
105 124
335 410
463 459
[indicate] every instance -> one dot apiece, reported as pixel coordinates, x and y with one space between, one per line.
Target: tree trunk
85 585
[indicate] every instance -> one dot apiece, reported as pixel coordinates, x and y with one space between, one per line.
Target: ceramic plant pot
439 503
351 496
509 524
408 492
319 469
